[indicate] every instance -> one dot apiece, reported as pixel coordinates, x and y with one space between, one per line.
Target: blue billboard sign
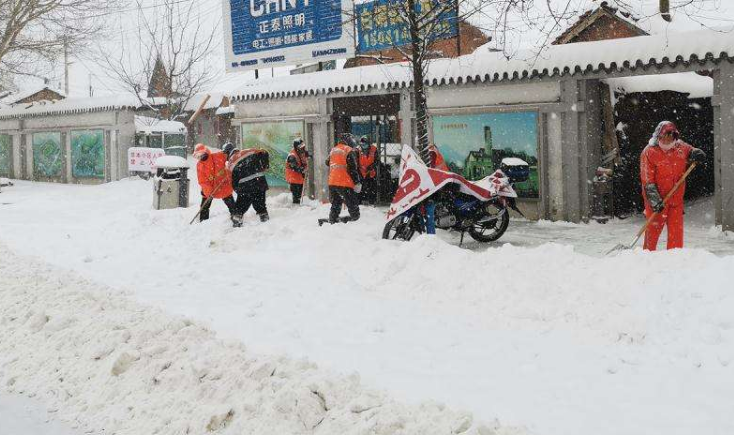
380 26
269 33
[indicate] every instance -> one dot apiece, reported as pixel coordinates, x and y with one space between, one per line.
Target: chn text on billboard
271 33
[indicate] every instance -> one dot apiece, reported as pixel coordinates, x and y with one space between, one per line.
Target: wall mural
6 155
87 154
277 138
474 145
47 155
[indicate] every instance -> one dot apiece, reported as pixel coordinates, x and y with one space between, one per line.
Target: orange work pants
673 218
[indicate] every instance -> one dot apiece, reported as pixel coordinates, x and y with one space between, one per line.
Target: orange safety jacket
213 174
338 173
367 161
292 176
665 168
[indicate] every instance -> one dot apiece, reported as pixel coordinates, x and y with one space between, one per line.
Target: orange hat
200 150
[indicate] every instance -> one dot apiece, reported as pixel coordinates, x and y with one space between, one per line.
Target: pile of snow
115 366
171 162
5 182
538 330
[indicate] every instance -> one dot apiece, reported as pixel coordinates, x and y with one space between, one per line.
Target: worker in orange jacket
296 166
345 182
214 179
662 164
368 160
436 159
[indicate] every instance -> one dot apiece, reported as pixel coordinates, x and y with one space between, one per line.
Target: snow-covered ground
20 415
539 330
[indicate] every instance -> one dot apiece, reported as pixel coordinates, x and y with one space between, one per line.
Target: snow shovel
208 200
623 247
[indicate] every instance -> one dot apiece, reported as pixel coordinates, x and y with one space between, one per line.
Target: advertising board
272 33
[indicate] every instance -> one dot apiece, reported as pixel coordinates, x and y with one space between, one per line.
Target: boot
236 221
264 217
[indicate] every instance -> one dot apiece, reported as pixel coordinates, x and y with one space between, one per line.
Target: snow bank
538 330
115 366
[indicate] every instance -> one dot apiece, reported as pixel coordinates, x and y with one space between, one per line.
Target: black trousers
368 194
250 196
339 196
228 201
297 192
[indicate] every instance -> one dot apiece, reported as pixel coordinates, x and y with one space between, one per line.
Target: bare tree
34 32
503 19
170 60
425 21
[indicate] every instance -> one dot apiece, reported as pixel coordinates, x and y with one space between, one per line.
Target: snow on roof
225 110
645 14
148 125
25 93
214 101
71 105
486 66
695 85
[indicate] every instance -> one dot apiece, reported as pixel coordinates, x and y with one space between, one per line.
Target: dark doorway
636 116
376 119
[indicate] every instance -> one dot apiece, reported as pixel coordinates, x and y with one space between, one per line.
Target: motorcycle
479 208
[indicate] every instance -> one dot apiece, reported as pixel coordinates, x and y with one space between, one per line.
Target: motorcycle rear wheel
400 228
492 230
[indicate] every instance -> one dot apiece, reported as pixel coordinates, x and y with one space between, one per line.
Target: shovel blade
619 247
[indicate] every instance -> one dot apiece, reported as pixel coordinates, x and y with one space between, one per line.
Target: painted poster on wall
6 155
277 138
475 144
87 154
48 159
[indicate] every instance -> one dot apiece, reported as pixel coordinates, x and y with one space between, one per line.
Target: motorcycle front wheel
492 226
400 228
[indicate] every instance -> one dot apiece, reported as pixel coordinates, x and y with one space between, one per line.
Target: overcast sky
123 31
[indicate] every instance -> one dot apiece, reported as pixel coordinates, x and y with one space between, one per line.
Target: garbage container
602 207
171 183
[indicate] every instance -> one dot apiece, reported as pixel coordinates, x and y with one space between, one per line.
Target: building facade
72 141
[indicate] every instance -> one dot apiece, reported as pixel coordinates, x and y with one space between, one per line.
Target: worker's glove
654 198
697 156
358 188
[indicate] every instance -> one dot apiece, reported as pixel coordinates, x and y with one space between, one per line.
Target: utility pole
66 67
665 10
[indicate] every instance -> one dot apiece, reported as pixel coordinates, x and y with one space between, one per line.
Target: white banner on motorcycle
418 181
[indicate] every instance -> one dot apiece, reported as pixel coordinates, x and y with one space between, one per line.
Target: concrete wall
118 132
569 130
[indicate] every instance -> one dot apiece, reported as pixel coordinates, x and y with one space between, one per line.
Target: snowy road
548 336
22 416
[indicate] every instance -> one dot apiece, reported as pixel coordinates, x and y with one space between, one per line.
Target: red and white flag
418 181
